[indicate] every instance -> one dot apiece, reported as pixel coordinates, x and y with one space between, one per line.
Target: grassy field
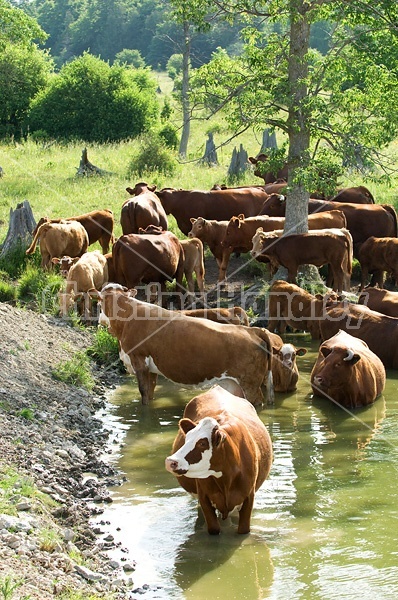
45 174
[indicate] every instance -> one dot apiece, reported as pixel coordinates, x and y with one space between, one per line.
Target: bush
75 371
153 156
168 133
105 349
16 261
92 101
40 288
8 291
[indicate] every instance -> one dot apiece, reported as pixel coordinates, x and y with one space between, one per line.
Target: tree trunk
186 108
299 133
21 226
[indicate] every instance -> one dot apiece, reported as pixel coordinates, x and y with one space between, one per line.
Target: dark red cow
376 256
219 205
268 176
382 301
142 210
347 372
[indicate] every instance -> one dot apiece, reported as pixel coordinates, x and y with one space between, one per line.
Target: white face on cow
193 458
288 355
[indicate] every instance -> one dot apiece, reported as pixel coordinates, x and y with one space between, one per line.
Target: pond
324 524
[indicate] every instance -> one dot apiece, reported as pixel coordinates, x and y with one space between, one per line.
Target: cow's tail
350 250
42 229
391 210
267 345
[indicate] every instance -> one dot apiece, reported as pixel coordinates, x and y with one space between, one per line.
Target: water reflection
324 525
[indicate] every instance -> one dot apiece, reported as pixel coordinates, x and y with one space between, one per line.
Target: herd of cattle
223 451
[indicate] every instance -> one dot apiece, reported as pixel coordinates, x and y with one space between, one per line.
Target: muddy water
324 525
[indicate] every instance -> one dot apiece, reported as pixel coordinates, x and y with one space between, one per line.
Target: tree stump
21 226
269 140
210 155
239 163
87 169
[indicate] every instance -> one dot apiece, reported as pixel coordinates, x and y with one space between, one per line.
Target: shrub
169 135
40 288
16 261
75 371
153 156
105 349
8 291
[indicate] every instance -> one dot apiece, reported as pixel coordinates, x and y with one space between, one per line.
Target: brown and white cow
153 341
380 332
219 205
194 263
363 220
89 272
142 210
148 258
290 305
347 372
222 454
376 256
234 315
58 239
285 373
98 224
379 300
317 247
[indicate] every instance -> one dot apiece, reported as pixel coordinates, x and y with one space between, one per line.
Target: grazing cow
194 263
153 340
89 272
142 210
347 372
268 176
222 454
378 331
219 205
212 233
284 367
148 258
377 255
379 300
290 305
318 247
363 220
64 263
58 239
355 195
234 315
98 224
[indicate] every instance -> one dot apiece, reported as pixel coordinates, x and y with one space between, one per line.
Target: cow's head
287 355
64 264
335 367
262 240
112 300
198 227
232 231
194 458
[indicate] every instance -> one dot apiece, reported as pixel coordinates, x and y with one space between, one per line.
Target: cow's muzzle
173 467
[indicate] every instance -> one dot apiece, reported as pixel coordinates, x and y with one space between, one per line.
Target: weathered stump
210 155
239 163
269 140
21 226
87 169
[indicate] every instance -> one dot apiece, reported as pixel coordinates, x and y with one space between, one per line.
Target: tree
343 102
16 27
24 71
93 101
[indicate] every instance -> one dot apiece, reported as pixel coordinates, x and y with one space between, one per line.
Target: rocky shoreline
52 476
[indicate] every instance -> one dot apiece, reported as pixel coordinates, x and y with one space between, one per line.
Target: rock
89 575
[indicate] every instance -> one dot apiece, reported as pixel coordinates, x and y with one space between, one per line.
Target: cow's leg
245 514
200 278
377 278
364 276
338 277
213 525
224 264
146 383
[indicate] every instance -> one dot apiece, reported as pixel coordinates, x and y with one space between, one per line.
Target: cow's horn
350 355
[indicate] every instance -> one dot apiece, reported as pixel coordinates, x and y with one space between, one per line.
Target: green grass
105 349
75 371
